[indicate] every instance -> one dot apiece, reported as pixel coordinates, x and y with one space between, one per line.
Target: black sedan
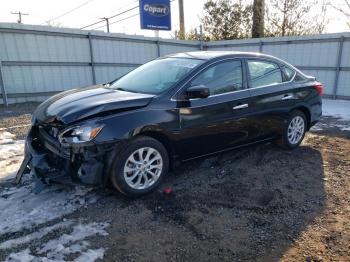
131 131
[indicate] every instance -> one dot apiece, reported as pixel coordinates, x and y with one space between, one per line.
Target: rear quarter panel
308 97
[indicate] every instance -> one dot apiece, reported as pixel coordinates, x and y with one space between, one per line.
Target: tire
133 177
298 120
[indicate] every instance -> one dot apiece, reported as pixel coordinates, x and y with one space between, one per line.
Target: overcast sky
89 11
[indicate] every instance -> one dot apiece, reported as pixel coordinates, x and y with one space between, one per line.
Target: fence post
261 43
92 60
337 72
158 48
2 84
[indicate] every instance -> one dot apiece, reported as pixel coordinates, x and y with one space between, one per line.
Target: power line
113 16
121 13
124 11
124 19
122 7
71 11
117 21
91 24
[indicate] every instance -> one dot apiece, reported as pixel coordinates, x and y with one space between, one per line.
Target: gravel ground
259 203
16 118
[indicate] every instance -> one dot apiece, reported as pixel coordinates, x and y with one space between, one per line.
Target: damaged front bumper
51 162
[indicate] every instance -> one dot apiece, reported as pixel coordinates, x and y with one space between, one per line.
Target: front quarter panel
126 125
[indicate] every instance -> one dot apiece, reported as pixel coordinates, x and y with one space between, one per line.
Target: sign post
155 14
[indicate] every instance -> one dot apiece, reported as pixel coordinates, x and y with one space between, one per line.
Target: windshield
156 76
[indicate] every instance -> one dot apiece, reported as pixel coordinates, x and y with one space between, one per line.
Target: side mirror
197 92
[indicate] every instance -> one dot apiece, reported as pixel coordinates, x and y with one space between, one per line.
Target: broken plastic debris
167 190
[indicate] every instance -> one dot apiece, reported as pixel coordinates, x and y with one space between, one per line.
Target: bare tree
295 17
232 19
227 19
258 18
192 34
345 11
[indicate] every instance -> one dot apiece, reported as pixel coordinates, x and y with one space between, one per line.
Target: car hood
77 104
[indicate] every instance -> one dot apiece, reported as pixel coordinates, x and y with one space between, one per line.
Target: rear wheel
294 130
140 167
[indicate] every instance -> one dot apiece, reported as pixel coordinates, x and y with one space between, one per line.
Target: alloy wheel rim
296 129
143 168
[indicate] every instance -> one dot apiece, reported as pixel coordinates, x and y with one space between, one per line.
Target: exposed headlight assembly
79 134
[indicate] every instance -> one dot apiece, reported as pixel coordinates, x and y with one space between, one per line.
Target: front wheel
294 130
140 167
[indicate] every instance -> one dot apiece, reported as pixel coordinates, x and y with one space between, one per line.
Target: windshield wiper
120 89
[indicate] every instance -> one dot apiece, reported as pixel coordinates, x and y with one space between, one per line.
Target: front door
219 121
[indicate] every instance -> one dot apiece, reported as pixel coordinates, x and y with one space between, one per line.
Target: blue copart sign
155 14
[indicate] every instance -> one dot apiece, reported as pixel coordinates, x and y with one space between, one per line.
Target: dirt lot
260 203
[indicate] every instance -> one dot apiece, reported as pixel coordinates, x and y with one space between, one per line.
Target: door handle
287 97
240 106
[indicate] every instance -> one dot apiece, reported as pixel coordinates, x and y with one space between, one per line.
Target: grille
49 138
53 131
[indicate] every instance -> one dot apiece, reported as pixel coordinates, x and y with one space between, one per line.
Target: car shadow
249 204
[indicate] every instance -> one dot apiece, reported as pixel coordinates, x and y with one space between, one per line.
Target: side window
221 78
264 73
288 73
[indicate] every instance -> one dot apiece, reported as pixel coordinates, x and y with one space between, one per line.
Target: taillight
319 88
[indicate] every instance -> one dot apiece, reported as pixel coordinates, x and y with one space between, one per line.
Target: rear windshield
156 76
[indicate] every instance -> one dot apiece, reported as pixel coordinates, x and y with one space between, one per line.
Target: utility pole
107 22
201 36
182 20
19 13
258 18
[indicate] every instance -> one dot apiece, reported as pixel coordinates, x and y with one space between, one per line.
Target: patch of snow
90 255
57 250
35 235
341 124
11 127
80 232
336 108
22 208
317 127
23 256
339 109
11 155
6 135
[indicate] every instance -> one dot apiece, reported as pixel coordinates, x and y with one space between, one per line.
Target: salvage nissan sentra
130 132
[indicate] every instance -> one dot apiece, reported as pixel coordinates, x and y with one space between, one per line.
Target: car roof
207 55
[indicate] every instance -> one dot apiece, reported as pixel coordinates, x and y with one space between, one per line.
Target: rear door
218 122
272 95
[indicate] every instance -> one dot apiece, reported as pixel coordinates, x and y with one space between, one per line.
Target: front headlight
80 134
